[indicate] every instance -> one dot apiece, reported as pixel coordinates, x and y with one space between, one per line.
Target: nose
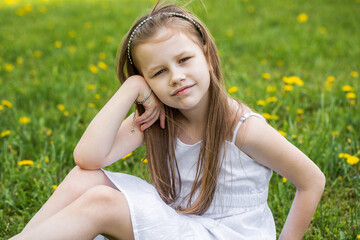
177 75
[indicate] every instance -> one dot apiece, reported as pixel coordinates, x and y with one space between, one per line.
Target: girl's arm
266 146
107 137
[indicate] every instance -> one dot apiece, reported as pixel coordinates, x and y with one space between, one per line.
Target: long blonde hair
160 143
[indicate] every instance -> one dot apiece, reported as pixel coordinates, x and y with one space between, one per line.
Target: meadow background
296 62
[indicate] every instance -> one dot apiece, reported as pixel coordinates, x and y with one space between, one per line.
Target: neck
194 120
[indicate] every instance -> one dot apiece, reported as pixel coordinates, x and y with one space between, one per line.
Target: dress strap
242 119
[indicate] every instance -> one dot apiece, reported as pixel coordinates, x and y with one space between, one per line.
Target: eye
184 59
159 72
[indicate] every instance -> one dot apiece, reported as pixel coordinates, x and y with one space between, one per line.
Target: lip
180 90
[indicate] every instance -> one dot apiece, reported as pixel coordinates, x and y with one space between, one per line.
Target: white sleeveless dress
239 209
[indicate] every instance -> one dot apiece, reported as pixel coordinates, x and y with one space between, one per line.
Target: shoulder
252 129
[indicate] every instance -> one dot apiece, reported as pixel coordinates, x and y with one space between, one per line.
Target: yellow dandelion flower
300 111
330 79
282 133
9 67
1 107
91 86
26 163
47 159
93 69
48 132
261 103
346 155
21 12
335 133
284 180
271 99
302 17
145 160
19 60
102 55
274 117
352 160
38 165
102 65
340 178
28 7
267 116
266 76
351 95
341 155
354 74
54 187
57 44
72 34
37 54
72 49
5 133
6 103
288 88
347 88
91 105
296 80
271 89
232 89
230 32
24 120
287 80
126 156
61 107
97 96
66 113
349 140
358 236
293 136
11 2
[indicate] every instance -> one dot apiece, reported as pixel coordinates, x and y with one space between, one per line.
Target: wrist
142 89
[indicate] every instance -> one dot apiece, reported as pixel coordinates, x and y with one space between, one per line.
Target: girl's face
176 70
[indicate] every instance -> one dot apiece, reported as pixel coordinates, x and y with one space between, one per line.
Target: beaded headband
171 14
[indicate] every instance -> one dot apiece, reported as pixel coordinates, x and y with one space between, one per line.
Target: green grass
253 37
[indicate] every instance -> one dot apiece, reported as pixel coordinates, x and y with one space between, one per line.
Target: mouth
182 90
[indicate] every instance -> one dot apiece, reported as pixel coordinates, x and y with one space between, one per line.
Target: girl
210 157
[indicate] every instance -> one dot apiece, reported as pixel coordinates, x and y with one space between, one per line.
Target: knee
103 195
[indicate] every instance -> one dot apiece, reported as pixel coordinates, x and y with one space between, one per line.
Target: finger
147 117
147 125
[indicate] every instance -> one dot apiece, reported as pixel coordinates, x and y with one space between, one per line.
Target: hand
154 109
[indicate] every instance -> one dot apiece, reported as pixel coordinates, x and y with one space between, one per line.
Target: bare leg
101 209
76 183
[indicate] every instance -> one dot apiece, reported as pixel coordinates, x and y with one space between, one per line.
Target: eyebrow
175 57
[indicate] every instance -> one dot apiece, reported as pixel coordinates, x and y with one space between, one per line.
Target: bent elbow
84 162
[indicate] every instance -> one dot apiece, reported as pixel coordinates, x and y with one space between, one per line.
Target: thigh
79 180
